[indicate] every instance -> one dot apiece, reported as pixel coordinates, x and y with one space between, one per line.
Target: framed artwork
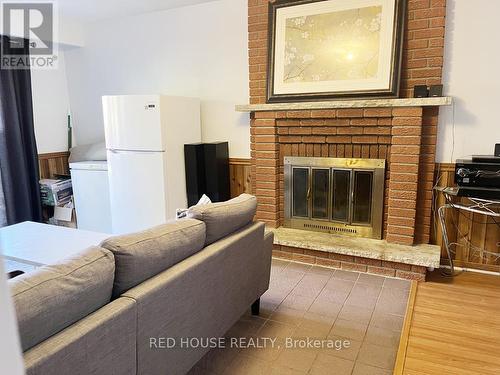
331 49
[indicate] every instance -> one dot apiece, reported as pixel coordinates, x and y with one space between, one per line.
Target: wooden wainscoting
239 170
240 176
53 163
465 229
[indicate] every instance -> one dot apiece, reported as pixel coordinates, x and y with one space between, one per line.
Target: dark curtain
18 152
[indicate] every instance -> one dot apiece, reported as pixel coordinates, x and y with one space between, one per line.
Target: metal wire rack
480 206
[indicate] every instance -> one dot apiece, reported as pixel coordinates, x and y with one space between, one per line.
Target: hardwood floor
454 327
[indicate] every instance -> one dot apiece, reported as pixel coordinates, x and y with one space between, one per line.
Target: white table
29 245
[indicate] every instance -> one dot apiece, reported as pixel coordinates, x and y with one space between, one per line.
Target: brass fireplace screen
343 196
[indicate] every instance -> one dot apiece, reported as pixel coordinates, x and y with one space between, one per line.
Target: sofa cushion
139 256
54 297
225 218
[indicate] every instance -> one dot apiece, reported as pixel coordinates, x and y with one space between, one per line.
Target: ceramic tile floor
324 304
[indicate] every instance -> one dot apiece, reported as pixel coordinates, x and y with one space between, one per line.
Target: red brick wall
423 52
423 47
404 183
349 132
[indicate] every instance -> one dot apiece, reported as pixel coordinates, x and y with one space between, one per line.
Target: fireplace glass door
362 197
350 194
341 195
330 194
300 192
320 193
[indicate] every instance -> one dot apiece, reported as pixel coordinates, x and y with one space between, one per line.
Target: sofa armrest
269 240
104 342
267 253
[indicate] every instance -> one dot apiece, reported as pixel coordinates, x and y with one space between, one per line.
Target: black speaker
497 149
420 91
194 160
207 171
217 171
435 91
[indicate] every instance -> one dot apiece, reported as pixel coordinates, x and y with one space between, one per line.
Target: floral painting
322 49
333 46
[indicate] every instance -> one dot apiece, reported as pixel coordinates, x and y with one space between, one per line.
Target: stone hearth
356 254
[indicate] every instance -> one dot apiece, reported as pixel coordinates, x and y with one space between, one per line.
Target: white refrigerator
145 137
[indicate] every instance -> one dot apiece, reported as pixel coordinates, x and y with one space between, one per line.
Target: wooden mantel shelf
368 103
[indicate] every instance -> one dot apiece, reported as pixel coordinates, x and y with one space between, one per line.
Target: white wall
70 32
198 51
472 77
50 107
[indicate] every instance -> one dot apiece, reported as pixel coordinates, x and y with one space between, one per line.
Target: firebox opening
335 195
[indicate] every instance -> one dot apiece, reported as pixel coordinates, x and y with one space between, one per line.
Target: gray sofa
109 309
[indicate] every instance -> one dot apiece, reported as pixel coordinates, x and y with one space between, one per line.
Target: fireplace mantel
368 103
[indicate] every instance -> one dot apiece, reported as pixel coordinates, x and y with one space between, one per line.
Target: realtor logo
30 30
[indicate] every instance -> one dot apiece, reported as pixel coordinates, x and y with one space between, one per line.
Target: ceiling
97 10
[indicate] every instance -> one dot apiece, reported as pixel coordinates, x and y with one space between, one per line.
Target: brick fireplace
404 136
393 134
402 132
